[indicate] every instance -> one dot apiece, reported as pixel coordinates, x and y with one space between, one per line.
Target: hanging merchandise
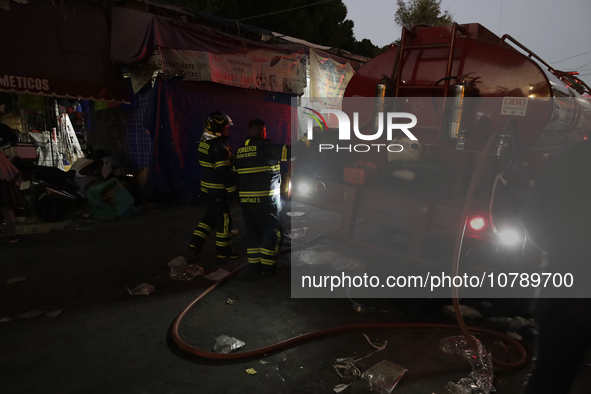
47 149
68 142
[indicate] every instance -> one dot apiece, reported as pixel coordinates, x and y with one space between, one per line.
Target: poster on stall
258 69
328 79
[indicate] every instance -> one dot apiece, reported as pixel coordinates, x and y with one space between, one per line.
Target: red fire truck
485 89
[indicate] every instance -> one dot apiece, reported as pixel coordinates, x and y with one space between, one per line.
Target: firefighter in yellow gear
218 187
258 168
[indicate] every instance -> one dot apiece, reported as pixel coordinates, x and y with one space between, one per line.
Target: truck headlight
510 237
304 188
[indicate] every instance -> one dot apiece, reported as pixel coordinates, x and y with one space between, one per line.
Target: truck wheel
47 208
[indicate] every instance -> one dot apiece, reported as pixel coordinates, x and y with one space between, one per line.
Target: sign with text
258 69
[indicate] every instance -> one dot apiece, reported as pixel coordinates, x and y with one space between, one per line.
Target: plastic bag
383 376
225 344
480 379
109 200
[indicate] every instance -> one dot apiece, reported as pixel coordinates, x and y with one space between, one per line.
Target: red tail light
477 223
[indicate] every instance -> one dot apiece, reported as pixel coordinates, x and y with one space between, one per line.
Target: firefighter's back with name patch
257 164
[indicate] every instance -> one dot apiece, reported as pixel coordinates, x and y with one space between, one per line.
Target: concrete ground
107 341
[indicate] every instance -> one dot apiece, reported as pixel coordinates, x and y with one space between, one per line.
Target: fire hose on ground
522 356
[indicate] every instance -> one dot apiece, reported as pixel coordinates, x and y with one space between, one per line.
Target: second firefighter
257 164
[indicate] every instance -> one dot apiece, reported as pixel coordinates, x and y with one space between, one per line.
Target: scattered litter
143 289
180 270
285 359
15 280
295 214
54 313
486 304
346 368
251 371
377 345
481 378
514 335
28 315
217 275
358 307
230 301
225 344
5 319
465 311
264 362
383 376
296 233
339 388
515 323
234 232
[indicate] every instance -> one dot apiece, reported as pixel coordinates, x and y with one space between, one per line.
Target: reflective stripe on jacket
257 165
217 173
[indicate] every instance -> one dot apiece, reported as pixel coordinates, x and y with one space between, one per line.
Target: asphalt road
107 341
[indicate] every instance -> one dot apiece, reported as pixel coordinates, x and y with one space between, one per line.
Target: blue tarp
175 118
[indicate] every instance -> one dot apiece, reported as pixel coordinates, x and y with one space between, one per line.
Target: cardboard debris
217 275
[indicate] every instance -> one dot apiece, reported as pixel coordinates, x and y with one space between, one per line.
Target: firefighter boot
229 255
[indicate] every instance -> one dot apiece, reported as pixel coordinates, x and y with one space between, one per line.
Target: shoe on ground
271 269
231 255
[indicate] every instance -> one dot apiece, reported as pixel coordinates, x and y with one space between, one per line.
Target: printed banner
328 79
258 69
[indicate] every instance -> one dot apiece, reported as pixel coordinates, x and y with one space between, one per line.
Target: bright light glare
477 223
303 188
510 237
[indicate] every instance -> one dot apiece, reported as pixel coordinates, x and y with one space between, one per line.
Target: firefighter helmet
216 122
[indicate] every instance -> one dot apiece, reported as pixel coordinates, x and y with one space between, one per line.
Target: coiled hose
522 358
